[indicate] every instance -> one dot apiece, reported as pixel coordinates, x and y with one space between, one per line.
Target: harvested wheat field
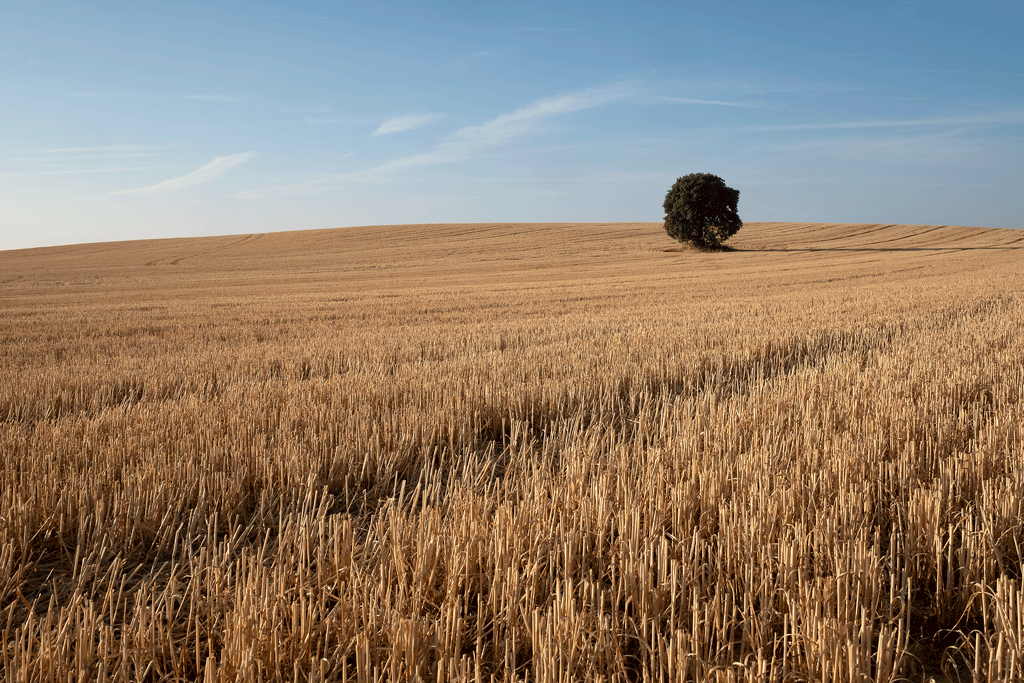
546 452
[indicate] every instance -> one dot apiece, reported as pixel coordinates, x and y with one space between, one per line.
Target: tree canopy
701 209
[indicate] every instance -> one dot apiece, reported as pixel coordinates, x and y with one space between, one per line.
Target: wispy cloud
466 141
151 95
214 98
959 71
498 130
298 108
717 103
324 120
34 202
465 62
979 119
113 149
400 124
937 147
208 173
83 171
776 87
305 187
523 29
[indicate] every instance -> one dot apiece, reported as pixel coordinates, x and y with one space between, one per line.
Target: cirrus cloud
464 142
208 173
400 124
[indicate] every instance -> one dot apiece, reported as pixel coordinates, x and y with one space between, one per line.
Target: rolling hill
515 452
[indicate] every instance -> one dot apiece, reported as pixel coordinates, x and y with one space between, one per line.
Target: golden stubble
545 452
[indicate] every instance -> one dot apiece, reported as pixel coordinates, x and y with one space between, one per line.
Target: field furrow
547 452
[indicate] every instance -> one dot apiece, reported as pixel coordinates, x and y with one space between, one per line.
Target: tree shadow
874 249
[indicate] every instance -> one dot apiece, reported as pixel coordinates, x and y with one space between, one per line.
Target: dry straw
528 452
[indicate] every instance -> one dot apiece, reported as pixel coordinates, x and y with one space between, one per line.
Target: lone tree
701 209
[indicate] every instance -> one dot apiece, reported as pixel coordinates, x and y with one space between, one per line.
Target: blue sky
127 119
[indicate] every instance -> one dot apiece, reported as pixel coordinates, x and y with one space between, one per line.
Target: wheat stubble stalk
480 462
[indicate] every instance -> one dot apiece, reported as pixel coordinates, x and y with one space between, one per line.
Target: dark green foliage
701 210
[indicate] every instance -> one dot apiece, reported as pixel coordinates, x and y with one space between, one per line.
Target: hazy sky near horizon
124 119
